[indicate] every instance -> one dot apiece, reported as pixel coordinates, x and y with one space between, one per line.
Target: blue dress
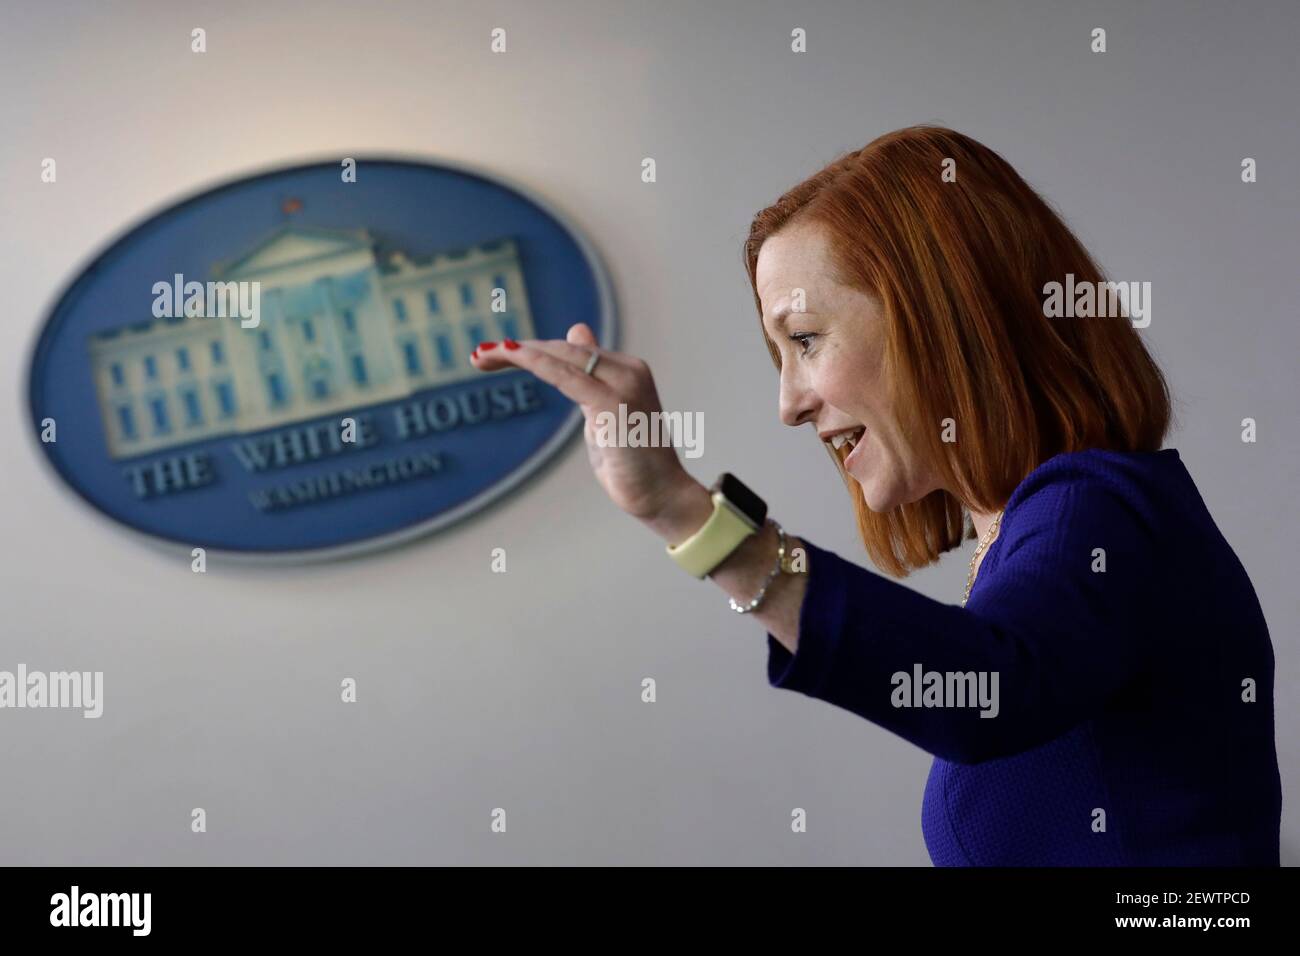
1104 699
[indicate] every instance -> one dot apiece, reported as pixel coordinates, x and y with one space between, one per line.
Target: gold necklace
979 549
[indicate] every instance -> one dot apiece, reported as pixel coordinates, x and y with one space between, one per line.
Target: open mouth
845 443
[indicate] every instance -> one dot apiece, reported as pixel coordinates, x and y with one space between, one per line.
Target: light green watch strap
722 534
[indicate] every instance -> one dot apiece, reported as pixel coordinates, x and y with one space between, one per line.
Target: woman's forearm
746 568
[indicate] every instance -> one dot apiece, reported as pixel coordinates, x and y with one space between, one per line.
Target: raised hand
643 481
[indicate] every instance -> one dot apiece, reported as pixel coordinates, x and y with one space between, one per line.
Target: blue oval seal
277 368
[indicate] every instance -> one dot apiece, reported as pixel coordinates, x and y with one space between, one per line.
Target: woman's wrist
747 569
684 512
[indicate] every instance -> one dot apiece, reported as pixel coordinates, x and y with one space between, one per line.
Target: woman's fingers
577 355
634 477
580 334
576 351
555 363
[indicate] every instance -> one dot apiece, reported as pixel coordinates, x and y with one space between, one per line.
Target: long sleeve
1061 635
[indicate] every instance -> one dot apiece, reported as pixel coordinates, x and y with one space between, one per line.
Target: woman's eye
803 338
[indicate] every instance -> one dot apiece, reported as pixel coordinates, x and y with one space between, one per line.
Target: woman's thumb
580 334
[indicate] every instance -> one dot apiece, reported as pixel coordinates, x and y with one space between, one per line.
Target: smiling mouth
845 442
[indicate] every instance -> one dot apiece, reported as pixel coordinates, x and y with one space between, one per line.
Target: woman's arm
1059 638
1052 637
746 568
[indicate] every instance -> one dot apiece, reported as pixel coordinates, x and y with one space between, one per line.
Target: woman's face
833 376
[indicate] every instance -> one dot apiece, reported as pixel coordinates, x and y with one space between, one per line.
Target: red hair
958 268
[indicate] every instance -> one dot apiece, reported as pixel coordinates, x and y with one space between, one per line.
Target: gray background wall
522 690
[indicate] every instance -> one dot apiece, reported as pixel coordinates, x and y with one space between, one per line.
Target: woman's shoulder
1106 484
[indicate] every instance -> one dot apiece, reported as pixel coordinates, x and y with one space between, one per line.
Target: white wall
522 691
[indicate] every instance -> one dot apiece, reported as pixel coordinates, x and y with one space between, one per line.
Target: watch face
745 501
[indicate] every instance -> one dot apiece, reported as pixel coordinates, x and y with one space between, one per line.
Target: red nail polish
487 345
511 344
474 354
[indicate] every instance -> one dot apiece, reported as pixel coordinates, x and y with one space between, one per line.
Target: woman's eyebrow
776 320
780 315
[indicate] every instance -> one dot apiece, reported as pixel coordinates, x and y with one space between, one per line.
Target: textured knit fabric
1121 736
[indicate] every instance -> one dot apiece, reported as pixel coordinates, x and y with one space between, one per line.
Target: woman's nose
797 403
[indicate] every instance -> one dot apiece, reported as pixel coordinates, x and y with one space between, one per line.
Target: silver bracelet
762 592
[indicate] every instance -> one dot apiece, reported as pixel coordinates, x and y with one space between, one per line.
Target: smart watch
737 513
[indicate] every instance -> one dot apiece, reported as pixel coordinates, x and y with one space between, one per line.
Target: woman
1104 695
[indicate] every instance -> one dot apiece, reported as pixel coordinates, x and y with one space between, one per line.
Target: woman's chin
870 495
876 506
879 499
873 475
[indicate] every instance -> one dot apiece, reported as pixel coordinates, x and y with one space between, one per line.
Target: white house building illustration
345 323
